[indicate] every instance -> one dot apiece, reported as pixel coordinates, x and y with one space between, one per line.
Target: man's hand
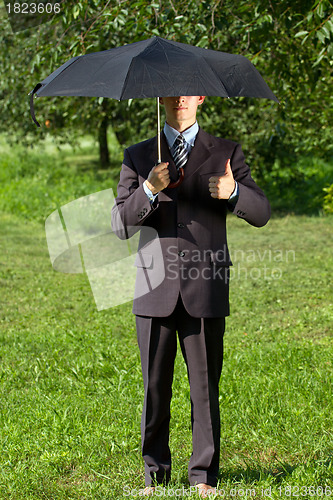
158 178
222 187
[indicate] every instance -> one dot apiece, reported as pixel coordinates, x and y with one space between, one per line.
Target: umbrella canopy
154 68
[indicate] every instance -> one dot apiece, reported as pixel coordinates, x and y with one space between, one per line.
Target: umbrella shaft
159 159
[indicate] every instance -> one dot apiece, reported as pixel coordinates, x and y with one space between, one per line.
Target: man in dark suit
192 294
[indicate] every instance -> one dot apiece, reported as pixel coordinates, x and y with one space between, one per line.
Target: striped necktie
180 153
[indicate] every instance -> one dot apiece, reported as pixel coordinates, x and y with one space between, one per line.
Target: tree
290 44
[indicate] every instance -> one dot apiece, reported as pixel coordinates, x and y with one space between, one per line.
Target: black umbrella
154 68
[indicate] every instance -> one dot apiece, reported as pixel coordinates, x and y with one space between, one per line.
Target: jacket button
181 254
180 224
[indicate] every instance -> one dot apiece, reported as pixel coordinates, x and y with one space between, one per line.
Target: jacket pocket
212 174
144 260
220 259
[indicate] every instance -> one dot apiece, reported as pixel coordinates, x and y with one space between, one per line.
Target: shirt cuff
234 195
150 195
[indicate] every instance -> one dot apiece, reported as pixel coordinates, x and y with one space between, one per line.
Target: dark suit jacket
191 256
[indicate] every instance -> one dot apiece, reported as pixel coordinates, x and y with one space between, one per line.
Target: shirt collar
189 134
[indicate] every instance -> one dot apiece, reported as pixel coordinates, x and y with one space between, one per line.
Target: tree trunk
104 156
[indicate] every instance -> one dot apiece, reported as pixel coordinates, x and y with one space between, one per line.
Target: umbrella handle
178 181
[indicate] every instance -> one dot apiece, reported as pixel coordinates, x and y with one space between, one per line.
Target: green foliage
328 200
297 188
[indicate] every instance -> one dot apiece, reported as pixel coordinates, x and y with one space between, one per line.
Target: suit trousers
201 342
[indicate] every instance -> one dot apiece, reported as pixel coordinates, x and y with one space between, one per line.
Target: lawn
71 390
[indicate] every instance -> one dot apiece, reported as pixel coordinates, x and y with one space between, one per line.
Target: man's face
181 111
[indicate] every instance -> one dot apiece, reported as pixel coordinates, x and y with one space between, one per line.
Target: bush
328 200
299 188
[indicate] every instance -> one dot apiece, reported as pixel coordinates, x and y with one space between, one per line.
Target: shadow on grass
253 474
278 472
90 165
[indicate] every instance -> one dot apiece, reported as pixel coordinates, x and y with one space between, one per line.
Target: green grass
71 390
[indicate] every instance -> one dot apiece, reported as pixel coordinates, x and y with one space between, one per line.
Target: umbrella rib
217 76
121 98
66 66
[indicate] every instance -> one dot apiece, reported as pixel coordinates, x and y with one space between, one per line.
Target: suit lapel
151 157
167 157
153 152
200 153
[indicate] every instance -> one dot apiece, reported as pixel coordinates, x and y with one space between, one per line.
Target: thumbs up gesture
222 187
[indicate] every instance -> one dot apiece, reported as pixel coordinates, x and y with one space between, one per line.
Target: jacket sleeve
132 206
252 204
